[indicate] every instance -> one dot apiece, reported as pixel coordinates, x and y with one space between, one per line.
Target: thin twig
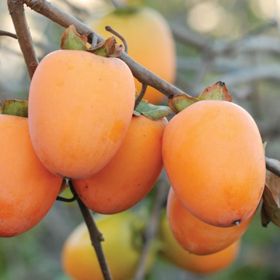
66 199
152 228
141 95
95 235
24 38
273 165
8 34
117 34
140 72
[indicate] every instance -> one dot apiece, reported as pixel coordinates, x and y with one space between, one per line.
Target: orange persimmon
80 106
214 158
149 42
196 236
27 189
173 252
130 175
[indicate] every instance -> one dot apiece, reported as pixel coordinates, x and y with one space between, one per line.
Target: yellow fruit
78 256
149 41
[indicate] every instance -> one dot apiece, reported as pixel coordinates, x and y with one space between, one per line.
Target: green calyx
153 112
14 107
72 40
217 91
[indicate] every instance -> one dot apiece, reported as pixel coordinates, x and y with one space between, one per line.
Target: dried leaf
14 107
217 91
271 200
272 182
153 112
108 48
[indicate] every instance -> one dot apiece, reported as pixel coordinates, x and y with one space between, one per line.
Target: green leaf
153 112
14 107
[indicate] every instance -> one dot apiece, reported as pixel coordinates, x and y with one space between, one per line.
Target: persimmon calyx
179 102
72 40
271 200
15 107
107 48
217 91
153 112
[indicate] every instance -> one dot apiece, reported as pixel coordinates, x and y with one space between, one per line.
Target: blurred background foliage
234 41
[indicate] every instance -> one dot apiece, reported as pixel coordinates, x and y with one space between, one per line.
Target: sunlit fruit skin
27 189
214 158
206 264
78 256
149 42
132 172
196 236
80 106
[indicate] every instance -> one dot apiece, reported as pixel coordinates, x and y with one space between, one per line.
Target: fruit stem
141 95
95 235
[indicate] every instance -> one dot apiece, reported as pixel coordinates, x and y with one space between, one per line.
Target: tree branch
24 38
152 228
273 165
141 73
95 235
8 34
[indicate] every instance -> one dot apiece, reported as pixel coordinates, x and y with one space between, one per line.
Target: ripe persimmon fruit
173 252
79 259
149 42
130 175
27 188
80 106
214 158
196 236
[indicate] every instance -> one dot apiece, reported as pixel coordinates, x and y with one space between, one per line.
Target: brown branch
95 235
8 34
24 38
273 165
141 73
152 228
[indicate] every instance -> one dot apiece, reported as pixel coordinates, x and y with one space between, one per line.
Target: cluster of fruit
79 114
81 126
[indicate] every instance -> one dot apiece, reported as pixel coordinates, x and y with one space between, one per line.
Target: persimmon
173 252
80 106
214 158
149 42
27 189
196 236
130 175
79 259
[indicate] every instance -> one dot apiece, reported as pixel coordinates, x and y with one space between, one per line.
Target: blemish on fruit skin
236 222
116 131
